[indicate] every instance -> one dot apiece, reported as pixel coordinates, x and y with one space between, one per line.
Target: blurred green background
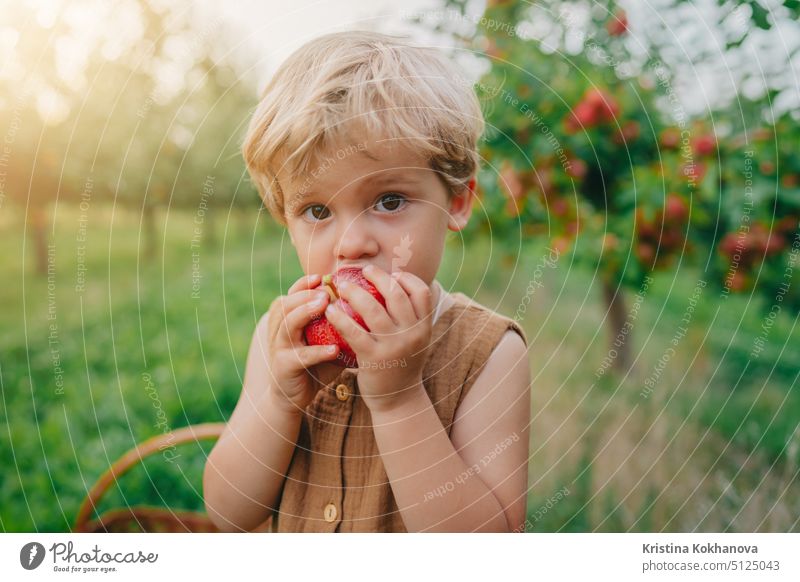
138 260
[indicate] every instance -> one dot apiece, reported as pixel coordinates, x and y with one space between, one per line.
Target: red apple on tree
670 138
676 209
602 104
705 145
320 331
790 180
584 116
577 169
627 133
618 24
729 244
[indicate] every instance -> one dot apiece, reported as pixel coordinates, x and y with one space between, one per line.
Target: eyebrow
394 176
385 178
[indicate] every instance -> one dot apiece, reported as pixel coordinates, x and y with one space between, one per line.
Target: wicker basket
145 518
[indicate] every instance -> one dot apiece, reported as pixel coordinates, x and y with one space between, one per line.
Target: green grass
652 463
138 316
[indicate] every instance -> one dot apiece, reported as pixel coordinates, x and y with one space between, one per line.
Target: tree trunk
616 316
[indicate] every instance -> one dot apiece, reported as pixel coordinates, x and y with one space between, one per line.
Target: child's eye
318 211
392 201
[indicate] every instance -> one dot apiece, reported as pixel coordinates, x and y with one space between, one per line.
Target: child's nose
355 241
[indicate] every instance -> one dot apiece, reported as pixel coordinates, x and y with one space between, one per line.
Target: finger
355 335
301 316
307 356
307 282
371 311
398 304
418 292
298 298
307 300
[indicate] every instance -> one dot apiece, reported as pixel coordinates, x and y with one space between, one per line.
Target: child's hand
392 354
291 384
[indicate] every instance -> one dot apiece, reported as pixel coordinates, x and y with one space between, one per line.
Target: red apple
671 138
671 238
320 331
676 209
577 169
584 116
596 106
601 103
705 145
739 281
627 133
765 241
790 180
618 24
609 242
561 244
572 227
646 254
762 134
695 170
559 207
728 245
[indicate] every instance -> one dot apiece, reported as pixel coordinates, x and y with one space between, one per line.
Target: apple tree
588 145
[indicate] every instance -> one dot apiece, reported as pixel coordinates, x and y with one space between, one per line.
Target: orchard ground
109 349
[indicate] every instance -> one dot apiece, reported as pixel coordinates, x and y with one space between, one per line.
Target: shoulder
479 335
505 366
478 320
510 348
494 414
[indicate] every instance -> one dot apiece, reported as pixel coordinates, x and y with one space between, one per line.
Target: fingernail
320 296
344 285
329 309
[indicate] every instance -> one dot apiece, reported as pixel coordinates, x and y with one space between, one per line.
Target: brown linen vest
336 480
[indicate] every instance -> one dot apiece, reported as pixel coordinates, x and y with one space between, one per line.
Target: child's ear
461 207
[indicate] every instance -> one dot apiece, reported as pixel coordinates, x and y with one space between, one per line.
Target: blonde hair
388 87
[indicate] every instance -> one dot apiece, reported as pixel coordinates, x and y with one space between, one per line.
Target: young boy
364 147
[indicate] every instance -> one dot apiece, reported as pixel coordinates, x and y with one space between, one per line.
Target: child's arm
246 470
477 481
247 467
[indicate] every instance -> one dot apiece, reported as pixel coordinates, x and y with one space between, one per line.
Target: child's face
375 204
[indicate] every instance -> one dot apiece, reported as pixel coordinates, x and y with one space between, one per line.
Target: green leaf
793 6
732 44
790 195
760 15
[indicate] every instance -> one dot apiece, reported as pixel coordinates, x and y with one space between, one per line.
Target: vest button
330 512
342 392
